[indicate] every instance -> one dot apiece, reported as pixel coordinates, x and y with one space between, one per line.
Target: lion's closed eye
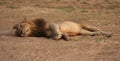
27 30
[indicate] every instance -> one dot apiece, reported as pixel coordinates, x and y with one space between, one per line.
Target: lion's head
35 27
25 28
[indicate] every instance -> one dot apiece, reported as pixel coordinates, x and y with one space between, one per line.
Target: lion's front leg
56 34
65 36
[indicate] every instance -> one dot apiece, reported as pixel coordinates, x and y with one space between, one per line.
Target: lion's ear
25 19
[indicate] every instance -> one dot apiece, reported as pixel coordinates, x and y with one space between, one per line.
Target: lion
41 27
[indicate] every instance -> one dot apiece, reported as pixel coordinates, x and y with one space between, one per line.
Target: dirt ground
104 14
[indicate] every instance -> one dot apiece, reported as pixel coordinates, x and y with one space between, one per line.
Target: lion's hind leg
86 32
95 29
89 27
107 34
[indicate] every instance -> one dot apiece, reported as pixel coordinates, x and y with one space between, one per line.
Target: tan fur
59 30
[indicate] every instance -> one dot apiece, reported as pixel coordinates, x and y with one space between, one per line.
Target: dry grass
101 13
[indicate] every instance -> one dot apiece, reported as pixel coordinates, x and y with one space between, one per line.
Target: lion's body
71 28
58 30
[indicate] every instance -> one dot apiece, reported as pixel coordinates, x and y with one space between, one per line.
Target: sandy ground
104 14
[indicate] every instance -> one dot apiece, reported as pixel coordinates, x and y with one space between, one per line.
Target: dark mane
40 26
40 22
